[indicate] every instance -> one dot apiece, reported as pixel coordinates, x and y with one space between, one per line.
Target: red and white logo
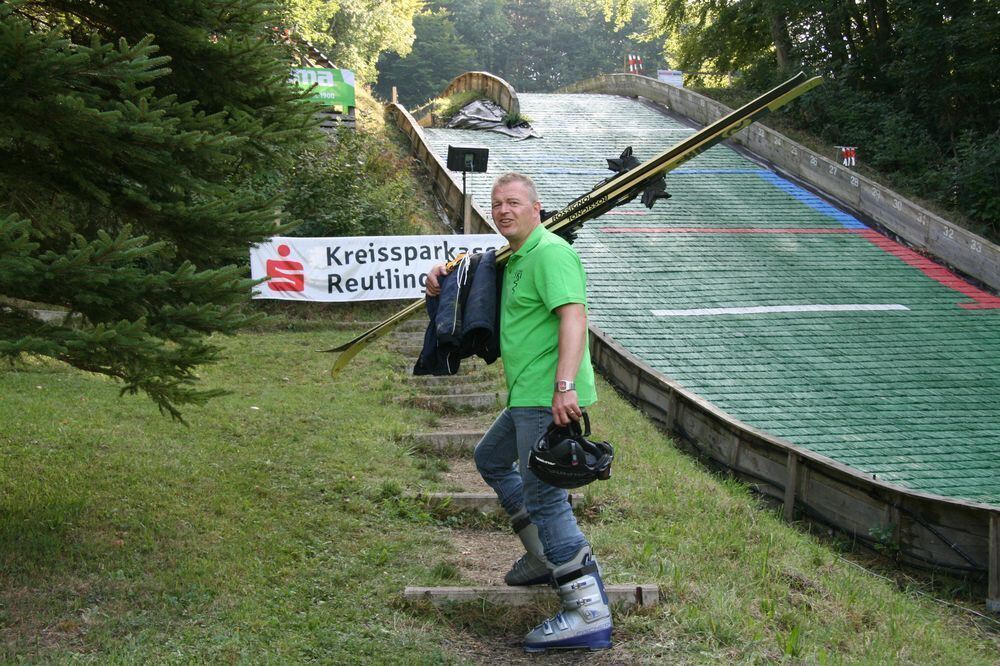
634 63
285 275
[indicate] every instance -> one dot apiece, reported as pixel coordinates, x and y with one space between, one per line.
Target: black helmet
564 457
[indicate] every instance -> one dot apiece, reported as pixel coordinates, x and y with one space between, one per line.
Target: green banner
334 87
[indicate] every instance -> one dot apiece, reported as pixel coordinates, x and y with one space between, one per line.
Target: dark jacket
465 317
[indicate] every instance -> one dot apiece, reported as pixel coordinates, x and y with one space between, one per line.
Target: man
543 343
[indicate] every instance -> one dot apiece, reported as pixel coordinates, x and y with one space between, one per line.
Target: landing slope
784 311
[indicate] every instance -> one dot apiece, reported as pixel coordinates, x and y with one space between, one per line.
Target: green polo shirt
542 275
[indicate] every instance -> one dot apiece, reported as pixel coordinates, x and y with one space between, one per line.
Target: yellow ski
615 191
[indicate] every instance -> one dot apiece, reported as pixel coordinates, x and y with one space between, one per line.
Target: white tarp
483 114
674 77
357 268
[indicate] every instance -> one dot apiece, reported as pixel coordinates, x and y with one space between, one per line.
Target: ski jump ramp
832 367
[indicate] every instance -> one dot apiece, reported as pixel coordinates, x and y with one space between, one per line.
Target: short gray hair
514 177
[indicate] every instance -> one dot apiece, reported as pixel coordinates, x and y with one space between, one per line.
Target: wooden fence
492 86
446 184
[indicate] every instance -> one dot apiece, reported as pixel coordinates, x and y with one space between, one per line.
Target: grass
514 119
443 108
275 528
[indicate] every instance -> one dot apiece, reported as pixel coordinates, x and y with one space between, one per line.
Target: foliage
446 107
361 182
914 84
353 187
124 181
353 33
438 56
536 45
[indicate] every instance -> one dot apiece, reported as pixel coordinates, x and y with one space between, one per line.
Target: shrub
974 172
353 187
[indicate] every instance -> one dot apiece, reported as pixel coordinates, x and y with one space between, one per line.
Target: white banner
674 77
358 268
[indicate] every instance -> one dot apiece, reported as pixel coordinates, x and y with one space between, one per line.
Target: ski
630 182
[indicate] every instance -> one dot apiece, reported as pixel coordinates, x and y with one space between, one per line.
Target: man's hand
434 279
565 408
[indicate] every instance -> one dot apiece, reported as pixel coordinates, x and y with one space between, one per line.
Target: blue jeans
502 459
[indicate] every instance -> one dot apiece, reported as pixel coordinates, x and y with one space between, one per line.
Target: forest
913 84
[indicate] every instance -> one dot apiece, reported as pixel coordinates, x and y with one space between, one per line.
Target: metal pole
467 215
993 568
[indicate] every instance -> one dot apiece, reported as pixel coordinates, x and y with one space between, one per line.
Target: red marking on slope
720 230
983 300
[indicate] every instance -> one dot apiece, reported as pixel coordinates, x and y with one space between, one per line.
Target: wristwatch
565 386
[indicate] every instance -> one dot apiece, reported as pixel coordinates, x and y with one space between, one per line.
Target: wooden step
407 338
462 402
624 596
431 382
465 388
407 350
448 443
482 502
471 369
416 325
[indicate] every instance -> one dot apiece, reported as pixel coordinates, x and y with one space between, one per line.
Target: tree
536 45
915 83
132 136
438 56
354 33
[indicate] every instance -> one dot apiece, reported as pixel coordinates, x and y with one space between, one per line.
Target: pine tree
131 138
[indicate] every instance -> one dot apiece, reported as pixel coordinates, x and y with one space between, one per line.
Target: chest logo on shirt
517 278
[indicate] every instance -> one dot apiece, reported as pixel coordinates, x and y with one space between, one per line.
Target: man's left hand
565 408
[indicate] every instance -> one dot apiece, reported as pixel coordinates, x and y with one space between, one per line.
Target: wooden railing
447 188
492 86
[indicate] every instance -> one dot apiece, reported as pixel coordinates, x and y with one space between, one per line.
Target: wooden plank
479 384
490 85
448 443
434 382
482 502
627 596
445 187
460 402
791 478
993 600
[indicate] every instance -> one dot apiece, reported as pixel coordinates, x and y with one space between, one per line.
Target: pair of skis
617 190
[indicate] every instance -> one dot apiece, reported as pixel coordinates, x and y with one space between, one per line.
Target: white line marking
768 309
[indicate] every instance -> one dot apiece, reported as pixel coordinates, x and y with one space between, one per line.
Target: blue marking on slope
722 171
811 200
677 172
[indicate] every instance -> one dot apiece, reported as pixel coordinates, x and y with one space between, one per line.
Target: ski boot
585 620
532 568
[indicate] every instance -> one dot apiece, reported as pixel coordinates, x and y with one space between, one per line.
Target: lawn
273 528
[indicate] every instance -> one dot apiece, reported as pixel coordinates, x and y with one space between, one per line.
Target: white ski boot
532 568
585 620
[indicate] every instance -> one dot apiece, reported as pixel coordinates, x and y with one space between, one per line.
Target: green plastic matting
780 309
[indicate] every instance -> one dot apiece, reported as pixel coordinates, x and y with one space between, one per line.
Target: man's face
515 215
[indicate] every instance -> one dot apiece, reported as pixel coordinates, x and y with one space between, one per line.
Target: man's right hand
434 279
